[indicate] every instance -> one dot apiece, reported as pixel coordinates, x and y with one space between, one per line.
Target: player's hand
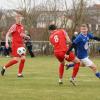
66 56
7 45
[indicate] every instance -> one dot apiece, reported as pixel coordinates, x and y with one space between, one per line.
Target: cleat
20 76
2 71
73 81
60 81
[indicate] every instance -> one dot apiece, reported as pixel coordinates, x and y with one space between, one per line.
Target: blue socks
70 65
97 74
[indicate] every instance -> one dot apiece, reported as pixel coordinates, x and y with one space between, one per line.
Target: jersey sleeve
90 35
12 28
77 40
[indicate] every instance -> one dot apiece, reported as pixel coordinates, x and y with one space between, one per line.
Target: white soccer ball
21 51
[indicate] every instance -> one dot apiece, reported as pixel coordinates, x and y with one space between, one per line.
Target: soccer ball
21 51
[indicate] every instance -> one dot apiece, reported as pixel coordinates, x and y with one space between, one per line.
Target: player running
81 43
17 33
58 38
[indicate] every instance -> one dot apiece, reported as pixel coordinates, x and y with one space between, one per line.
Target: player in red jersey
17 33
58 39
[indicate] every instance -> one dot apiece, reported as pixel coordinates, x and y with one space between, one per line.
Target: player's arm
7 39
67 37
91 36
96 38
23 34
12 29
73 45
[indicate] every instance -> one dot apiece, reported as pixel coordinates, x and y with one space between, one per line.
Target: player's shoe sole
2 72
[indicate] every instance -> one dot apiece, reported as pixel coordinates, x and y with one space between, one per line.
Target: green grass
40 82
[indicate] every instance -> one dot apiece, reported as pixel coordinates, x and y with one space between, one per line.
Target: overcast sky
13 4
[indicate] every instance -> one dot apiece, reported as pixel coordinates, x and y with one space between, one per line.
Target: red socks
75 69
10 63
21 66
61 71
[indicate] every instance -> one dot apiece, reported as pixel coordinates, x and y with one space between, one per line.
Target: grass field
40 82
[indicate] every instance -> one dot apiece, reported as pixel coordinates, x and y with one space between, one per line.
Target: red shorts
61 56
14 49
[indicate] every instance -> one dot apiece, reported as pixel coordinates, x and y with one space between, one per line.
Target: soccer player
81 43
58 38
17 33
29 46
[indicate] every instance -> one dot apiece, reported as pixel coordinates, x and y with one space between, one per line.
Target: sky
13 4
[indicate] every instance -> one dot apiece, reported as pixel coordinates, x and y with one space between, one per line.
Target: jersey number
56 38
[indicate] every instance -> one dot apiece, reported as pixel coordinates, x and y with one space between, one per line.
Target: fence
42 47
45 48
94 48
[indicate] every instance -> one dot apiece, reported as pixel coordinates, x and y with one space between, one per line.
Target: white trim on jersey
12 28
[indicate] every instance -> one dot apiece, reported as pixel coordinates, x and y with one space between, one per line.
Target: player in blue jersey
82 44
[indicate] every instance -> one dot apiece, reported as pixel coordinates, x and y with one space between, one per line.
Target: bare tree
30 13
78 13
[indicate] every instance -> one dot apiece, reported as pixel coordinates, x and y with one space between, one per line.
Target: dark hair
52 27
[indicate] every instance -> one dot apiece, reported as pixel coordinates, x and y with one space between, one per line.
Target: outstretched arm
7 39
12 29
91 36
96 38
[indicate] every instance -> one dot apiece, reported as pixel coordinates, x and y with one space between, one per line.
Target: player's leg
21 66
70 65
75 70
76 62
60 57
30 51
9 64
13 61
94 68
61 72
90 64
76 67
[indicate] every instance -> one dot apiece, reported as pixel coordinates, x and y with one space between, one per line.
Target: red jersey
58 40
17 40
17 30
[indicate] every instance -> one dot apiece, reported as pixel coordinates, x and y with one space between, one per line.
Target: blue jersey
82 45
